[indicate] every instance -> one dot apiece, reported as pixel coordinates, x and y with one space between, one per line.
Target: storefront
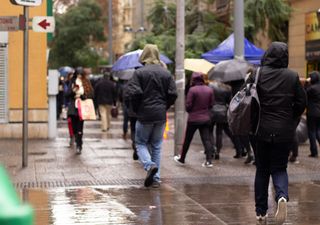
312 38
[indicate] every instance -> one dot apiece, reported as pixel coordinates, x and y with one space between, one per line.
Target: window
3 83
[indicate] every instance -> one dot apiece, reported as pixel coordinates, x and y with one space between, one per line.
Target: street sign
44 24
9 23
26 2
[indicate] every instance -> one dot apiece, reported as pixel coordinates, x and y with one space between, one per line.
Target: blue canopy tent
225 51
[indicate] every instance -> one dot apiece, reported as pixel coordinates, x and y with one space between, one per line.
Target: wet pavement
104 185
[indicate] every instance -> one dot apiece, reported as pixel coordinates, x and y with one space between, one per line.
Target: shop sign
312 36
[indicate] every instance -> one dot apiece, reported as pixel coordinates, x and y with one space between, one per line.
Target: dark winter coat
199 101
313 94
282 98
151 90
105 92
222 98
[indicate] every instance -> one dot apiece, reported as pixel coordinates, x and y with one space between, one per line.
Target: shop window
3 83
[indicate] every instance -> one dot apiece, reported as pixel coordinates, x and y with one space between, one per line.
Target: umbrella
124 74
130 60
65 70
198 65
229 70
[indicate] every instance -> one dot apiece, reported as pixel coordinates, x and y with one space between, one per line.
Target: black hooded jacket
313 93
282 98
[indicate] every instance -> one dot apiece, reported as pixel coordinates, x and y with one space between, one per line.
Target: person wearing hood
199 102
282 101
151 92
313 112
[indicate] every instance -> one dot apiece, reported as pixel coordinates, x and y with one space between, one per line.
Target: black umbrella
229 70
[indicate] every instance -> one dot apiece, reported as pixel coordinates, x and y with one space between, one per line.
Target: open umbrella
198 65
65 70
130 60
124 74
229 70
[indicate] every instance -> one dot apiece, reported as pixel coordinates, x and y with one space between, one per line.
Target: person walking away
152 91
122 84
199 101
67 99
313 112
282 101
105 96
222 98
80 88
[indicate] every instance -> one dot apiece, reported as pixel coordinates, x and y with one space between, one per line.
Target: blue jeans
149 138
271 160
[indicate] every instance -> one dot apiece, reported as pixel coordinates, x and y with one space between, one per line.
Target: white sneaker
207 164
281 214
176 158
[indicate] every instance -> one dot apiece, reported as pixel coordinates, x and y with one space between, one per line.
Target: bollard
12 210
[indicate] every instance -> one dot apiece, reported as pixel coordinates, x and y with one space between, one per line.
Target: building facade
304 36
11 77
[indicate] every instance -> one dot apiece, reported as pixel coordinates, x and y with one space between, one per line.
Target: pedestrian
80 88
152 91
122 85
282 101
313 112
67 99
222 98
105 96
199 101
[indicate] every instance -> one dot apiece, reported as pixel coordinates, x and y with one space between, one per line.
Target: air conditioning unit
3 37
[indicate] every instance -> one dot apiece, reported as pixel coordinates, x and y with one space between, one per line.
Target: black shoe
313 155
135 156
237 156
149 179
155 184
243 154
249 159
217 156
78 150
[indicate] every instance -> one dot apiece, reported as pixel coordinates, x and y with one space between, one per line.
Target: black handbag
114 111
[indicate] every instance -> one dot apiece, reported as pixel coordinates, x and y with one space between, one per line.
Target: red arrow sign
44 24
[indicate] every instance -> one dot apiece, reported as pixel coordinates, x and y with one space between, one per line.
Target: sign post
25 88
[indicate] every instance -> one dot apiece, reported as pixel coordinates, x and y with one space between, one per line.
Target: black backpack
240 117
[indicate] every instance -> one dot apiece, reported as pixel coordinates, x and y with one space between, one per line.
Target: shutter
3 83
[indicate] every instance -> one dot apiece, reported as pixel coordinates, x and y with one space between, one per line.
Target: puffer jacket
282 98
313 93
151 90
199 101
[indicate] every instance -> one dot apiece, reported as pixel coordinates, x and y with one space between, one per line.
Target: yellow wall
297 30
37 60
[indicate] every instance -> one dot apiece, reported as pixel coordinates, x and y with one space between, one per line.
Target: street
104 185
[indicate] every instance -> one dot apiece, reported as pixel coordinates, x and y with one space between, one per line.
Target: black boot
79 143
135 154
249 159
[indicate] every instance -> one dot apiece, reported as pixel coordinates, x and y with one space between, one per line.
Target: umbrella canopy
124 74
130 60
65 70
229 70
198 65
225 51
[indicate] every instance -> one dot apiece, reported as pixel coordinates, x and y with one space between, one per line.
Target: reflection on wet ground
180 204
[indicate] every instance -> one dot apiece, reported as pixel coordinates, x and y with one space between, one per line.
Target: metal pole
180 78
110 32
142 14
25 88
238 29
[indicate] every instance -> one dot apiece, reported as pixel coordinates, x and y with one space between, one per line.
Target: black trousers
77 126
271 160
314 133
133 121
205 138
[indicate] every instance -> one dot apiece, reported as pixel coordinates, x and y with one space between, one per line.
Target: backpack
240 113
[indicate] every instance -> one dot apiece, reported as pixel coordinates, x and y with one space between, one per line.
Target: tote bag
86 109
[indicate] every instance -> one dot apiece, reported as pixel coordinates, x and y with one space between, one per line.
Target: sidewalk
108 160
